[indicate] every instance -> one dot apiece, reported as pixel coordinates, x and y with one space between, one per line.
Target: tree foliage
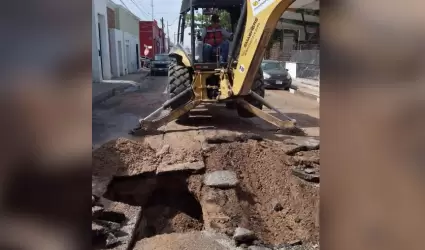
202 21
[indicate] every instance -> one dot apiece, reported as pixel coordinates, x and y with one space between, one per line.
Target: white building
124 40
101 65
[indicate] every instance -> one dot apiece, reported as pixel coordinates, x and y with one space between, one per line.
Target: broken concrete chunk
302 144
311 143
309 170
295 243
305 176
97 229
111 240
193 166
243 235
233 138
111 226
221 179
258 248
99 186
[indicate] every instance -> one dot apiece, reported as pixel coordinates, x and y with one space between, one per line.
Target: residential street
116 116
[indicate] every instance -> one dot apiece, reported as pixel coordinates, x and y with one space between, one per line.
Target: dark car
275 75
160 64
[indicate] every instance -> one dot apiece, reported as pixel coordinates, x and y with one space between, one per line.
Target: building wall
100 62
131 56
111 18
146 37
127 22
117 54
123 37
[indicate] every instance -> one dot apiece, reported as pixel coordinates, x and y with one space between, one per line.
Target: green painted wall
126 21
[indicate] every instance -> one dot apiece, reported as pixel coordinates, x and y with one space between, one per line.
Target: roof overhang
302 12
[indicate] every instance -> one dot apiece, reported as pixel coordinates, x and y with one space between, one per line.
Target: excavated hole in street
269 200
167 204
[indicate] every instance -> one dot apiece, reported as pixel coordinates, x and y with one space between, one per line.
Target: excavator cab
239 83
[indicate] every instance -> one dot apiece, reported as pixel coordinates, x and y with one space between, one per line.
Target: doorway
120 59
127 54
100 47
137 56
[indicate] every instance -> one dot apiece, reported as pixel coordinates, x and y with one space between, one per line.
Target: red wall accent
145 35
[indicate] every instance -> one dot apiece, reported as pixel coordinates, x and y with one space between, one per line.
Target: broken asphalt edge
116 90
305 94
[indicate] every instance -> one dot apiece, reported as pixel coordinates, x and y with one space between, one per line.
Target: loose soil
266 181
269 200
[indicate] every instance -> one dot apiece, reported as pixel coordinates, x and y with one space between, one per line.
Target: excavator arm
262 17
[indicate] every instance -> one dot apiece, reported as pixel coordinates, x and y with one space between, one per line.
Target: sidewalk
109 88
307 88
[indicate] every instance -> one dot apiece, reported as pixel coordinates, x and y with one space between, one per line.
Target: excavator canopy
221 4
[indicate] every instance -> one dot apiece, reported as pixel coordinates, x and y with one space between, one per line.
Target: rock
94 200
258 248
297 220
111 226
309 170
221 179
300 173
302 144
295 242
243 245
98 229
111 240
188 166
164 150
96 211
243 235
277 206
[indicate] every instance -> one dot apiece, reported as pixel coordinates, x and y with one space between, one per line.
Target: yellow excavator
239 82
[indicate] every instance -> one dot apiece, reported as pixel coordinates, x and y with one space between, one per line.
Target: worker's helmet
215 18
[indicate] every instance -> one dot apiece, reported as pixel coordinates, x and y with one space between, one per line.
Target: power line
144 12
125 5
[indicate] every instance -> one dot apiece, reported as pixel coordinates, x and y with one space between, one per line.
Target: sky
168 9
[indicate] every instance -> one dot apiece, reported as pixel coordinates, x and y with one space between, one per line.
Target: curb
113 92
108 94
304 94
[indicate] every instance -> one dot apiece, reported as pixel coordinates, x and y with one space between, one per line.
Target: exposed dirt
269 200
267 185
123 157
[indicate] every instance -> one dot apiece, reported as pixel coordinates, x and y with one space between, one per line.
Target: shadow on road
220 118
303 120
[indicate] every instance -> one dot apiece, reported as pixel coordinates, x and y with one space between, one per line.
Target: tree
202 21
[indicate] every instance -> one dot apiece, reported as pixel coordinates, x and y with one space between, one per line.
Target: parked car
275 75
160 64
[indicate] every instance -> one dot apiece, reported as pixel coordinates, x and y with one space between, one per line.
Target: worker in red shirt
214 36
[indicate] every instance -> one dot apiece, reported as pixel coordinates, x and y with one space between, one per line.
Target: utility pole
163 35
153 31
168 38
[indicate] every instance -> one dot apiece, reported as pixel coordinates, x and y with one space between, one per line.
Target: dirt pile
279 206
123 157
